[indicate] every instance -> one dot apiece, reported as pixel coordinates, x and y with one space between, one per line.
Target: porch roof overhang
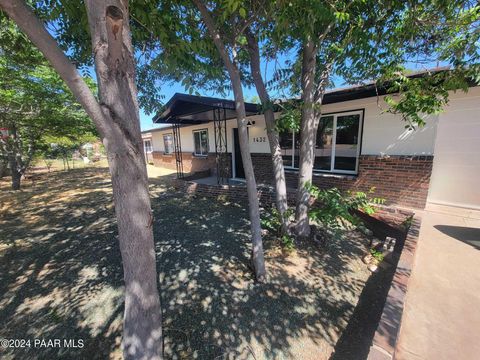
190 110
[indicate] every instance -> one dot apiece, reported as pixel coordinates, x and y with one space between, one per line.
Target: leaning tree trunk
253 203
273 138
117 120
115 68
308 127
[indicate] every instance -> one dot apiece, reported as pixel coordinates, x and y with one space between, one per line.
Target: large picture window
168 144
200 141
337 146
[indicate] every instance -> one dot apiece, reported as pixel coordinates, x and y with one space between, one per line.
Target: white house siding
186 136
456 165
383 133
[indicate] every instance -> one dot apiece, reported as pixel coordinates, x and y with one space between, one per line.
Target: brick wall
191 163
401 180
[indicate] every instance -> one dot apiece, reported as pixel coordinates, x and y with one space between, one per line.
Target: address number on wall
260 139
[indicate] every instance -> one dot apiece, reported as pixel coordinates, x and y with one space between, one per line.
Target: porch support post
220 131
177 146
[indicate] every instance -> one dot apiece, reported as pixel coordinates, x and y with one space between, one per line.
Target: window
337 146
168 143
200 142
147 144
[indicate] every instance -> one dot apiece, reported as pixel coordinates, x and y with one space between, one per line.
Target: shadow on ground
467 235
61 277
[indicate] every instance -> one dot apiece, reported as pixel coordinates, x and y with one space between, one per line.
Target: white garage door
455 177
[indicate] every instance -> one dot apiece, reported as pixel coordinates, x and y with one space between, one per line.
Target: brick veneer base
191 163
400 180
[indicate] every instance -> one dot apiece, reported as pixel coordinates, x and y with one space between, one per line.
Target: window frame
145 147
332 170
164 147
208 142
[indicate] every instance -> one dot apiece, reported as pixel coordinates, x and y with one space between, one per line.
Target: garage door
455 177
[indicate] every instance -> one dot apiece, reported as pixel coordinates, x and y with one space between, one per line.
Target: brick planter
386 335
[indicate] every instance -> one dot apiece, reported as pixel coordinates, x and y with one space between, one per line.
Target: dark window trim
355 173
208 143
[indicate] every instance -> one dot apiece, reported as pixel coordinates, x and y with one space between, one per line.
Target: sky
169 89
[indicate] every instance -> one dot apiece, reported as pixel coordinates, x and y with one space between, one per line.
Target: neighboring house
359 146
147 146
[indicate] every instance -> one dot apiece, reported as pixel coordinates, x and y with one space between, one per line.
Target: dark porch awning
191 109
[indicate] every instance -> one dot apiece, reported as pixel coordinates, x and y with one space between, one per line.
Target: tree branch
216 37
18 11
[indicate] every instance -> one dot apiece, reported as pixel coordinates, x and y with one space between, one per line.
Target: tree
34 103
116 117
272 133
231 64
367 40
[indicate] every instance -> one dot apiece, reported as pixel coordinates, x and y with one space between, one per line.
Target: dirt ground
61 276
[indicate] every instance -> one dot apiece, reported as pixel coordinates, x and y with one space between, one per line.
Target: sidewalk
441 318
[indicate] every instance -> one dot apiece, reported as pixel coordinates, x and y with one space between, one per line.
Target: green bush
334 207
377 255
271 221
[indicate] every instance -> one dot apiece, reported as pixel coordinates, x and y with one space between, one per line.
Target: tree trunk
308 127
16 175
253 203
273 139
117 120
115 68
15 159
3 168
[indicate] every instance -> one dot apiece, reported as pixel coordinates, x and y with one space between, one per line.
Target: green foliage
361 40
271 221
333 206
289 120
377 255
287 242
366 40
35 104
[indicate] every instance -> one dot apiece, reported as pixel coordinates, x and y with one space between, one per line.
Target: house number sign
260 139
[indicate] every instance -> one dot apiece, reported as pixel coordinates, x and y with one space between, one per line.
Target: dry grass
61 276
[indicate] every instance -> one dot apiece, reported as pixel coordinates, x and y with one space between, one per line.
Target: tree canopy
35 105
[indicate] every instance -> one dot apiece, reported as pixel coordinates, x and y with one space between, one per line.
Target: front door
239 173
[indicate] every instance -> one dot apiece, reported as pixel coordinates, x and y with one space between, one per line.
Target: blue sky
169 89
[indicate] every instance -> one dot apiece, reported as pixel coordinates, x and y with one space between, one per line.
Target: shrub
271 221
378 255
334 207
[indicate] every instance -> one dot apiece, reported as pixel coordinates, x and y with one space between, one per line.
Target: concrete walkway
441 318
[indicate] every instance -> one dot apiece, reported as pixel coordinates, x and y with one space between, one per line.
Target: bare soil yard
61 276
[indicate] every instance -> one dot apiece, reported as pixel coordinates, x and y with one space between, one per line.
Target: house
359 146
